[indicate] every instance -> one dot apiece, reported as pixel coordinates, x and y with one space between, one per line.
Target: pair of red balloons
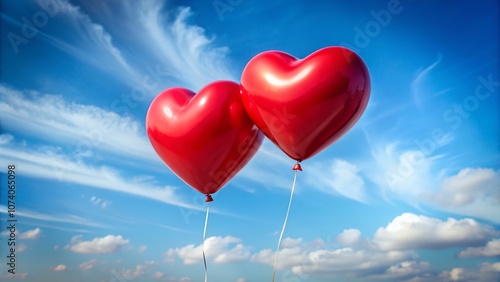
302 106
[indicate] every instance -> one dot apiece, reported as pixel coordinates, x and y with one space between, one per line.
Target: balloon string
203 242
286 219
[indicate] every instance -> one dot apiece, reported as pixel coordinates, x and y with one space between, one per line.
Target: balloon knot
209 198
297 167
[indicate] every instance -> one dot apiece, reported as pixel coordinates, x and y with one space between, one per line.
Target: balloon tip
297 167
209 198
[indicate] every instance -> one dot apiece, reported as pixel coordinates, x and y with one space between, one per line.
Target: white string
284 224
203 243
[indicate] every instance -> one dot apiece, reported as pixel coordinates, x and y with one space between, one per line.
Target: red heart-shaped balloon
303 106
205 139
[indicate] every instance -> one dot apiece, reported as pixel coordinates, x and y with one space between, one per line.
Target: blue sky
409 194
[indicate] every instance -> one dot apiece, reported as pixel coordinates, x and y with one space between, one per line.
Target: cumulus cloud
349 237
349 260
487 272
390 254
414 176
31 234
410 231
491 249
405 270
472 191
222 250
104 245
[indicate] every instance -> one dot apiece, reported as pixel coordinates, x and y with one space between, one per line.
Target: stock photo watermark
453 117
364 35
30 25
224 6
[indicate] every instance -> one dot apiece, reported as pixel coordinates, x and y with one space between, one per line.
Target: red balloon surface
204 138
303 106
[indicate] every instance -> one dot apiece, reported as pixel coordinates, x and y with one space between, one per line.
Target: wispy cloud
192 58
86 129
47 163
60 218
31 234
191 55
90 42
416 85
337 177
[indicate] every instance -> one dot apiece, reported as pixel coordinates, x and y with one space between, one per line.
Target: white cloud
491 249
222 250
92 44
185 50
472 191
389 255
306 259
410 231
99 202
404 270
416 85
190 55
158 275
138 271
48 163
62 218
58 268
487 272
30 234
86 129
402 174
349 237
87 265
241 280
414 176
106 244
337 177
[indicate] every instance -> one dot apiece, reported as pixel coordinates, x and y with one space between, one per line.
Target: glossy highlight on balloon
303 106
204 138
